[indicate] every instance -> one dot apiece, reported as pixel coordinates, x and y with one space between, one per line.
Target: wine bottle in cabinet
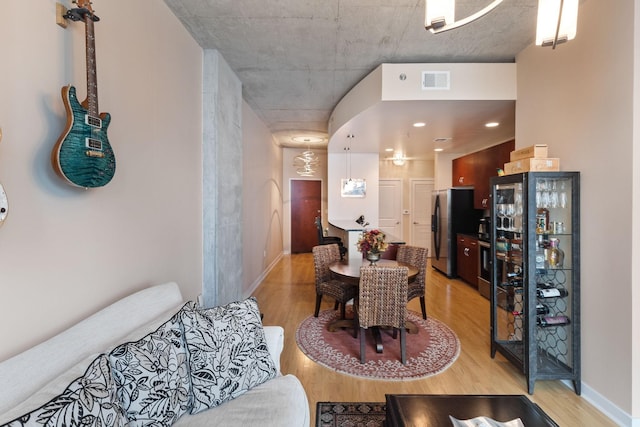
535 274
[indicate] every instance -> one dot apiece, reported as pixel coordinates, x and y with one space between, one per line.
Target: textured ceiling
297 58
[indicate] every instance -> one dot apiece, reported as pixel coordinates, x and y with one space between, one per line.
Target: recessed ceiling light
438 149
492 124
388 150
419 124
308 139
442 139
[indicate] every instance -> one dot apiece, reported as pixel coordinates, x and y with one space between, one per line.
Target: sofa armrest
25 373
274 336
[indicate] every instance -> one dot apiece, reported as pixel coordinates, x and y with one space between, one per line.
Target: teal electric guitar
82 155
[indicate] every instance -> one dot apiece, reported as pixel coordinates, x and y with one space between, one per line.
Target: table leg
411 327
340 324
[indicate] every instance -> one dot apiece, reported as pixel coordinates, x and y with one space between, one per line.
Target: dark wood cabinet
463 171
468 259
477 168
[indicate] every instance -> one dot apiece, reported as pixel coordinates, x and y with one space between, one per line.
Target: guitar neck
92 77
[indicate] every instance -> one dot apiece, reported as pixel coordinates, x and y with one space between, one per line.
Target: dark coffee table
431 410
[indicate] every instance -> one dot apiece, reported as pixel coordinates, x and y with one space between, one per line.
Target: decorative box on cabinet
535 277
468 259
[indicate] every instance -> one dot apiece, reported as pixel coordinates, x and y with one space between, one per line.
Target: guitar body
82 155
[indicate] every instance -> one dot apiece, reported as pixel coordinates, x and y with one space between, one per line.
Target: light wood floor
287 296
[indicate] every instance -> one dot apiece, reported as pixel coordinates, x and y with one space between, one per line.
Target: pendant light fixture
557 19
398 159
557 22
306 163
347 151
440 15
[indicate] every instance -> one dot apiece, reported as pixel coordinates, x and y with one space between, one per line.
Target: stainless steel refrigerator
453 213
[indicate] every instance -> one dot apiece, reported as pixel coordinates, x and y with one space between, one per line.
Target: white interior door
421 190
390 209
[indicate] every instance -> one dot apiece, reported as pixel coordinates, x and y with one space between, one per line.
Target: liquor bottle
555 255
547 292
546 321
542 220
540 252
516 281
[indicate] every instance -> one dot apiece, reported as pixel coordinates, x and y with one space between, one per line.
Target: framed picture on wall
353 187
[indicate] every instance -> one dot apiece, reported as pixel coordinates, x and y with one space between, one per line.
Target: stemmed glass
501 220
518 214
511 211
563 196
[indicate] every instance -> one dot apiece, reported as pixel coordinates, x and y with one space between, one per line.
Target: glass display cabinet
535 274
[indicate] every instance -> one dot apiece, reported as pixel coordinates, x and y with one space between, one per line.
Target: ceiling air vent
435 80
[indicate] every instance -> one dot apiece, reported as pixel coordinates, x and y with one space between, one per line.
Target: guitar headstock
84 9
84 4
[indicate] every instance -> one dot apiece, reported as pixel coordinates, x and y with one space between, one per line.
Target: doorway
390 209
421 190
306 205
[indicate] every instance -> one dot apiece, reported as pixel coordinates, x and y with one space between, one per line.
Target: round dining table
348 271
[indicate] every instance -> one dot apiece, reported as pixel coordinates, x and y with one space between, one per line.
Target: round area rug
432 350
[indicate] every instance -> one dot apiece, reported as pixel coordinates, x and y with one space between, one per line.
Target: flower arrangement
372 241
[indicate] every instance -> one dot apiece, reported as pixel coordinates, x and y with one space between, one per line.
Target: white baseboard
605 406
262 276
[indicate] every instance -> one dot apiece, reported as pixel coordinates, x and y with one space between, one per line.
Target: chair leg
343 252
362 355
424 308
403 346
336 304
343 311
318 301
356 320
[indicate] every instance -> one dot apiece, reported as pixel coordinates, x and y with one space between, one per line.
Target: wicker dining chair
417 257
323 256
382 301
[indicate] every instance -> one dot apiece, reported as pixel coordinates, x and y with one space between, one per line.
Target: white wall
578 99
635 234
360 166
65 252
262 200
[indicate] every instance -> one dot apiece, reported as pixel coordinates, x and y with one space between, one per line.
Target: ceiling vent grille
436 80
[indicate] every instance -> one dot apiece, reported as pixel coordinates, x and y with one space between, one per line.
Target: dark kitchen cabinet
463 171
490 160
468 259
477 168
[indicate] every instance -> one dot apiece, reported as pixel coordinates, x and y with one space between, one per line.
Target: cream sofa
34 377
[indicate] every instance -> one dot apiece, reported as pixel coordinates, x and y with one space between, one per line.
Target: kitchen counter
476 236
349 231
347 225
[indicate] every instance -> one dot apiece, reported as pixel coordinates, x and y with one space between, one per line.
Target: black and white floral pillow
88 401
152 376
228 353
